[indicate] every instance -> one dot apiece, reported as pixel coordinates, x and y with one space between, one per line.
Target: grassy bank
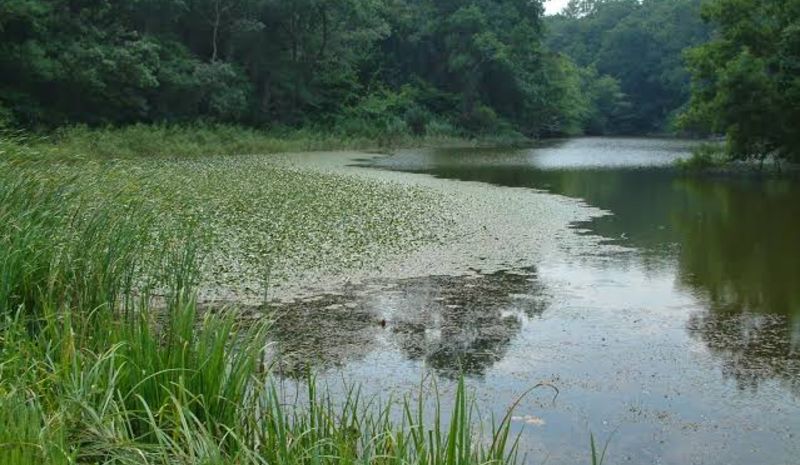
105 359
212 140
706 157
714 159
256 218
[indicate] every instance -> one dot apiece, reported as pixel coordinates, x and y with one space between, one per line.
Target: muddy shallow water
671 325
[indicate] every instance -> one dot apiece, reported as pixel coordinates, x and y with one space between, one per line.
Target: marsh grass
705 157
201 140
276 219
217 140
95 370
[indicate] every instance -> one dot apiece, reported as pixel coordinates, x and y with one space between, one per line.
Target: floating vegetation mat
259 221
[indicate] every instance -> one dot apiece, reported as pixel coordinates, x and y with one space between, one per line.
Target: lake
676 338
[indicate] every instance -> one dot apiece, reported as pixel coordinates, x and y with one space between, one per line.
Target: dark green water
681 341
735 239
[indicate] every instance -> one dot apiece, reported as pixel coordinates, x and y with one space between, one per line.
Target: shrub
481 120
6 117
417 120
106 359
705 156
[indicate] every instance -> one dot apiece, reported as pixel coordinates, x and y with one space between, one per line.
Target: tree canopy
468 66
640 45
476 64
746 80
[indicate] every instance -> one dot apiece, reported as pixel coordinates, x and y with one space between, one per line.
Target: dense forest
747 78
636 47
476 64
459 66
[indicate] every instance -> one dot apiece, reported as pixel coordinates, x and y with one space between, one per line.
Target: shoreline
493 229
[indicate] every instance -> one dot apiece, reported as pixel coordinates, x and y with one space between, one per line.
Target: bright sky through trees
554 6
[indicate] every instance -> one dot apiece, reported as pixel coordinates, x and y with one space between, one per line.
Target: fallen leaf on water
530 420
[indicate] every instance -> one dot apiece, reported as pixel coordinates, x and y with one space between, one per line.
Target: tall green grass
216 140
154 140
705 157
105 357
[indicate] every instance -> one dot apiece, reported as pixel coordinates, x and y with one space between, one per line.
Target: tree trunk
215 31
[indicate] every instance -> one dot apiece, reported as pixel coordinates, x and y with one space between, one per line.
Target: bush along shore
277 220
197 140
715 159
94 369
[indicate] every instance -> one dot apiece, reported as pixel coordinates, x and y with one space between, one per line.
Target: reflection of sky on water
449 324
687 345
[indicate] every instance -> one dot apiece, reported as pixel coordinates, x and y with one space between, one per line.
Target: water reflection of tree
736 242
451 323
751 347
464 325
322 332
740 244
739 252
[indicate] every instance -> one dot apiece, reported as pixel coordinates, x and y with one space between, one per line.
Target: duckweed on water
258 220
92 373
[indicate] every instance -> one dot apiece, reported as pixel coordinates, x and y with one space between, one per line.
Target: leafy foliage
639 45
746 80
476 65
389 69
105 357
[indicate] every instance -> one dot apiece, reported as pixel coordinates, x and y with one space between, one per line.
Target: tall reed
105 357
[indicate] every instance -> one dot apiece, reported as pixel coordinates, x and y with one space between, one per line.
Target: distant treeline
474 65
640 46
468 66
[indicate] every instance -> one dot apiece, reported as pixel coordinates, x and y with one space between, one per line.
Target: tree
746 81
476 66
61 59
640 44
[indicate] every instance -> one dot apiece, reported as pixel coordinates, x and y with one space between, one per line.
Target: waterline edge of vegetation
197 140
93 371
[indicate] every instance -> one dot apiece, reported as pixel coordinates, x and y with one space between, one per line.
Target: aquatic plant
705 156
107 358
275 220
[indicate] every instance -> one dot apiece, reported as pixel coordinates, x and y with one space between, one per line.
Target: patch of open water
684 348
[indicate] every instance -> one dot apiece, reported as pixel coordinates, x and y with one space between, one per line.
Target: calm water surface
683 348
